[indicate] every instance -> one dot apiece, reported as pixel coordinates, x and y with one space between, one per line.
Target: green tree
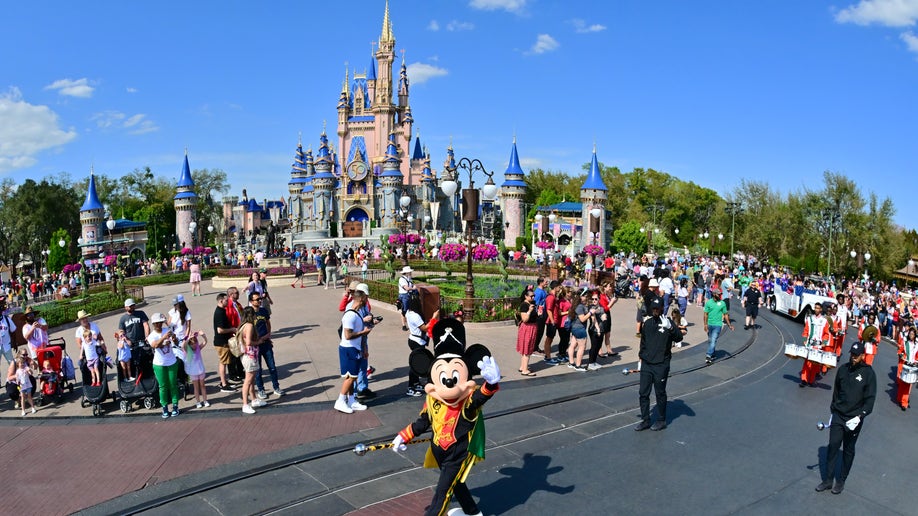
59 256
33 210
628 238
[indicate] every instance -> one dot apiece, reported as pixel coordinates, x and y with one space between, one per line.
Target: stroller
144 387
53 382
94 395
624 285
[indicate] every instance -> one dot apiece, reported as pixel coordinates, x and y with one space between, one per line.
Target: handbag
235 344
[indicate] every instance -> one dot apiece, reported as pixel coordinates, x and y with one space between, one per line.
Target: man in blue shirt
541 313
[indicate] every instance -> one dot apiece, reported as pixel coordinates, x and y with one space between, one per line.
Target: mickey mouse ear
473 354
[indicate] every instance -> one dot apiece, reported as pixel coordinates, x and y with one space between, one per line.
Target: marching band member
869 327
816 335
908 354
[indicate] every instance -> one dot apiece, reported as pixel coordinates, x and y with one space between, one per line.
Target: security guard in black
658 334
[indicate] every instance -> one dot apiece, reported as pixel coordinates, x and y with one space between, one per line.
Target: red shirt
553 309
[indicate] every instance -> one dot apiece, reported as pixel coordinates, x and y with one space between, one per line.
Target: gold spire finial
386 26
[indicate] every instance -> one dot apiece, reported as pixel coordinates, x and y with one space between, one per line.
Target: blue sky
711 92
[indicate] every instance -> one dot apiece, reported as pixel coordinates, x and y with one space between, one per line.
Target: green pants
167 378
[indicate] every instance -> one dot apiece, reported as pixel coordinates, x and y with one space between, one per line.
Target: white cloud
72 88
131 90
135 124
433 25
26 130
581 27
530 163
544 43
512 6
456 25
422 72
910 40
891 13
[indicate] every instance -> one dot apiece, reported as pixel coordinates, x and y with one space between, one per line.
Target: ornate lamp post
733 208
595 213
192 226
404 201
110 224
470 200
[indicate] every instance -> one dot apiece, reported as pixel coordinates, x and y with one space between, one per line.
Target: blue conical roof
185 180
418 152
514 166
92 198
594 178
371 72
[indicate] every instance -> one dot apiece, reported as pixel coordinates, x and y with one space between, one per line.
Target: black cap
857 349
656 302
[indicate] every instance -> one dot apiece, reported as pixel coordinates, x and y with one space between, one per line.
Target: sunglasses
595 299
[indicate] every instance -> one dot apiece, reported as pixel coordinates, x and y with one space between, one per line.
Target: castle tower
308 193
92 219
184 201
593 194
323 183
391 180
512 192
295 187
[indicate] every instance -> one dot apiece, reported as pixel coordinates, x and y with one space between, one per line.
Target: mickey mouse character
452 411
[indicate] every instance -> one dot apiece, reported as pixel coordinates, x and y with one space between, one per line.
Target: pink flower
542 244
484 252
452 252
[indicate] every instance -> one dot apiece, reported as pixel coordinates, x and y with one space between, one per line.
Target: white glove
398 444
853 422
666 324
489 370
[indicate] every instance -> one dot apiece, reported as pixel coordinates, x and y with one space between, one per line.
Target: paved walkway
90 460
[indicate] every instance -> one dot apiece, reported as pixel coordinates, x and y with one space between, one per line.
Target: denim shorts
579 332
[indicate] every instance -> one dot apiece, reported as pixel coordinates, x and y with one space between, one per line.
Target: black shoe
838 487
404 328
802 384
643 425
825 484
365 394
227 388
708 359
659 425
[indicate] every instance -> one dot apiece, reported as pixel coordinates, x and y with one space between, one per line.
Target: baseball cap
857 349
178 299
363 287
129 302
157 317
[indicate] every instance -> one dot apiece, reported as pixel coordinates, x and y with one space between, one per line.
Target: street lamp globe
410 218
642 229
853 254
867 256
61 242
676 231
110 224
449 187
404 201
192 226
210 228
551 218
538 217
489 190
720 236
596 212
706 234
80 241
426 219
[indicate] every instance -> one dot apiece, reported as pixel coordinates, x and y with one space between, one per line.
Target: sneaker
404 328
293 285
199 405
552 361
23 413
370 370
581 368
643 425
708 358
356 405
365 394
563 360
256 403
302 286
571 366
279 392
227 388
825 484
165 413
247 409
175 411
262 395
33 410
659 425
342 406
206 403
838 487
413 393
594 366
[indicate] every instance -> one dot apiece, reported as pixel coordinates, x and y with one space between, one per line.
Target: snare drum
827 358
909 374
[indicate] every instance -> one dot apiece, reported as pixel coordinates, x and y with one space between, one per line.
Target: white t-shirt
404 284
179 326
7 327
163 355
89 349
415 321
351 320
666 285
93 327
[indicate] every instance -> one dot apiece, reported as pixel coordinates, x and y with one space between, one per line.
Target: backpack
67 368
234 343
341 326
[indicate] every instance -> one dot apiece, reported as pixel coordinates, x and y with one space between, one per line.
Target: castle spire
594 178
92 198
386 27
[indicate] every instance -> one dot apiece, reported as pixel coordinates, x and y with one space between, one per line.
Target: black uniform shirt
855 390
657 341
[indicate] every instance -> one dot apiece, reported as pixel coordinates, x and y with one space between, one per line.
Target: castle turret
403 84
185 201
92 218
593 195
512 192
392 182
323 183
371 80
297 181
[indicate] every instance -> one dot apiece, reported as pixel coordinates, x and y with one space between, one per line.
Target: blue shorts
579 332
26 392
349 360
